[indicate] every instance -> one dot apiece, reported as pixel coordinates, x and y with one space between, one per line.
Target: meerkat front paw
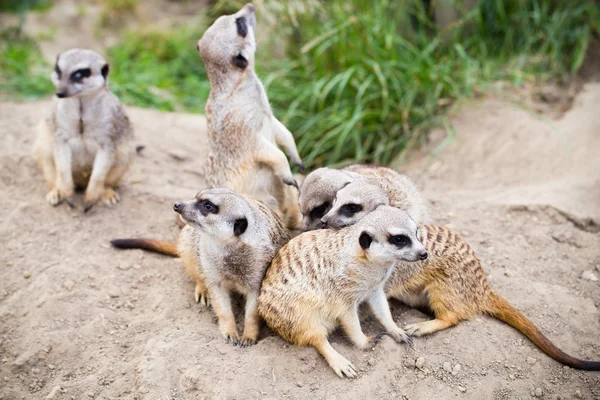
201 295
247 341
298 163
290 181
232 337
373 341
110 197
400 336
57 196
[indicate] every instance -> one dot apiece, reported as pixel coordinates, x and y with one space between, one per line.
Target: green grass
357 81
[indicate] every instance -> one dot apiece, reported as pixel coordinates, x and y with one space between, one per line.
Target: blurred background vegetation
355 81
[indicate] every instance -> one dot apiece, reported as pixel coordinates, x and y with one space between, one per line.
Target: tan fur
243 132
222 257
86 141
319 279
324 184
452 283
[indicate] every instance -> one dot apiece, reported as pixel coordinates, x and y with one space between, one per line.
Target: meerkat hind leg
428 327
337 362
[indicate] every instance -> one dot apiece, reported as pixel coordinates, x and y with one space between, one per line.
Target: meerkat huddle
238 231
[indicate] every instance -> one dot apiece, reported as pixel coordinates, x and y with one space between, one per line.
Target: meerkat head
352 203
229 43
79 72
221 213
389 234
317 194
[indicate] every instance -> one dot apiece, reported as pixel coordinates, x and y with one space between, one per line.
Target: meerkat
451 282
319 279
87 140
227 244
322 185
243 132
453 285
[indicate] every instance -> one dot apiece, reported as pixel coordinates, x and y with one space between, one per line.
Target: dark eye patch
400 240
57 70
242 27
348 210
80 74
207 207
319 211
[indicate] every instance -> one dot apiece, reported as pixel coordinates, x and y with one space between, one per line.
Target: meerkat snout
177 207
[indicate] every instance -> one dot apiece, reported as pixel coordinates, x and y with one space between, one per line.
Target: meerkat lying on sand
323 184
451 282
319 279
227 245
243 132
86 141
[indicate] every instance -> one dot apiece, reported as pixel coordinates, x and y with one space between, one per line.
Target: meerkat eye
319 211
80 74
206 207
400 240
349 210
242 28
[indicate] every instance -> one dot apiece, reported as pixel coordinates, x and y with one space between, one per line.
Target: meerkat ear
105 70
240 61
365 240
240 226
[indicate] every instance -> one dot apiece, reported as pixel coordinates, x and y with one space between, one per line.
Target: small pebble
53 395
462 389
123 267
50 366
456 369
68 284
578 394
299 384
409 363
539 392
447 341
588 275
420 362
531 360
447 367
35 371
27 275
113 293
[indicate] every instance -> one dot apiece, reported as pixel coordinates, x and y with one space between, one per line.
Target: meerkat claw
247 342
291 182
88 208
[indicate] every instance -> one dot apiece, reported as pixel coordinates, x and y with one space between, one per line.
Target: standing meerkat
227 245
319 279
323 185
86 141
243 132
451 282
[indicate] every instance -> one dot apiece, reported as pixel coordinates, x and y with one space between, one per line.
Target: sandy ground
107 324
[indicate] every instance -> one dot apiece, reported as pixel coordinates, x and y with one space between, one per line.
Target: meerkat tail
505 312
157 246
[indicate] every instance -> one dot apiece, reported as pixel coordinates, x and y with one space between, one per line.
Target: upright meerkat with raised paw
86 141
451 282
319 279
321 187
227 245
243 132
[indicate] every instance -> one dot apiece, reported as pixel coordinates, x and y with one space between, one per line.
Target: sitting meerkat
227 245
243 132
319 279
322 185
451 282
86 141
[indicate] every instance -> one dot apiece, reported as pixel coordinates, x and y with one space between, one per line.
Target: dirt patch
106 324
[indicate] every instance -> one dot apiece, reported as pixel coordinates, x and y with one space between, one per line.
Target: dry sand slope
106 324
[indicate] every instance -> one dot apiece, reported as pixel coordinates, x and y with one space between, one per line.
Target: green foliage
361 80
23 71
160 70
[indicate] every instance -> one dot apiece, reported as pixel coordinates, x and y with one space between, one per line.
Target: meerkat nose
61 95
324 223
423 255
177 207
